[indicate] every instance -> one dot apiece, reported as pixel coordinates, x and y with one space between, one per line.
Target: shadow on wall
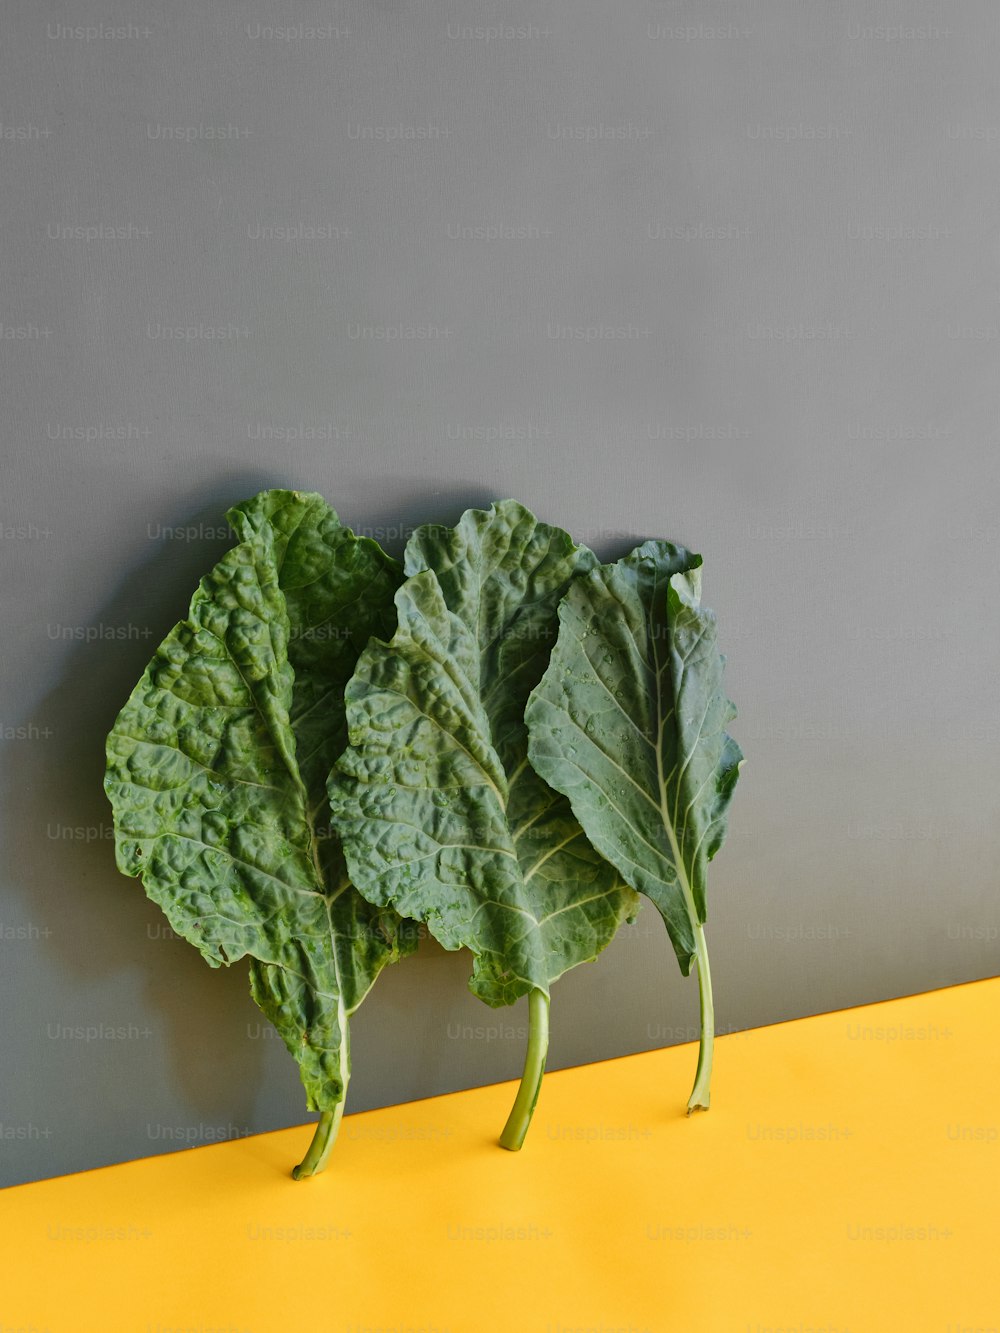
95 922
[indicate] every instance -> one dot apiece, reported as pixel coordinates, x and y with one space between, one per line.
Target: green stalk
534 1067
700 1098
322 1143
329 1121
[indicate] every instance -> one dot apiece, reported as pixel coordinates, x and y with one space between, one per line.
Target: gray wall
747 299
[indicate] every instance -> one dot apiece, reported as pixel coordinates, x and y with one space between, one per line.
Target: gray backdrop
726 274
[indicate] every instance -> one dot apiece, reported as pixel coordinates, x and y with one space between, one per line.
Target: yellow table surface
845 1181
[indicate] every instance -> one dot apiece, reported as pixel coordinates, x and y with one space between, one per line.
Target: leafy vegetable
217 769
440 813
628 722
540 739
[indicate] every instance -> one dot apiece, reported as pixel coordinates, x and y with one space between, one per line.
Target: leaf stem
534 1067
322 1143
700 1098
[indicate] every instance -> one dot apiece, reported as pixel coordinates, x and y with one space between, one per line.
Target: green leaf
217 767
629 722
440 813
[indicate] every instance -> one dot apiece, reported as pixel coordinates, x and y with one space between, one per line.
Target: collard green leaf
440 813
629 722
217 769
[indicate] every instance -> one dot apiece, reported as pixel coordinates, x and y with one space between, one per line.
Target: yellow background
845 1181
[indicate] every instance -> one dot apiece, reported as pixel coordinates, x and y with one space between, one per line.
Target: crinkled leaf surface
440 813
629 722
217 769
